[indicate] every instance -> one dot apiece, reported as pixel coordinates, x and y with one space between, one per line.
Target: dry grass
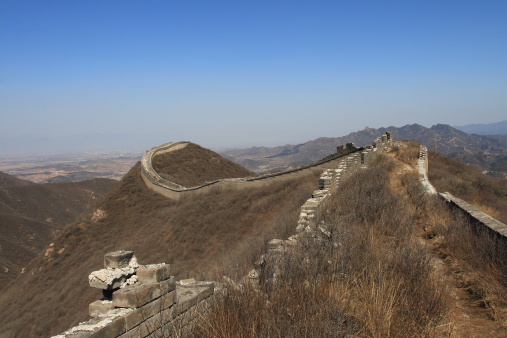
369 278
476 254
221 228
486 193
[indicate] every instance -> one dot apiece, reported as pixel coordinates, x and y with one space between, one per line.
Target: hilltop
221 232
195 165
32 214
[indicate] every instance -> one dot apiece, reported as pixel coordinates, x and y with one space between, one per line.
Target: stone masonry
141 301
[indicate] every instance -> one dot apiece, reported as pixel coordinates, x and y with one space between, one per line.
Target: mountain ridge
485 153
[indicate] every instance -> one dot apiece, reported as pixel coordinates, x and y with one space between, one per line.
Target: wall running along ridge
309 226
174 190
145 301
477 216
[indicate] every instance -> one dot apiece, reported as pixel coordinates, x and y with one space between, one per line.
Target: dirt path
469 314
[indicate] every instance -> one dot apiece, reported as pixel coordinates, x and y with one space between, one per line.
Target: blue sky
241 73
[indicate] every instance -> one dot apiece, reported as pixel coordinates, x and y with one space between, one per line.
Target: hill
185 166
8 180
221 232
32 214
485 153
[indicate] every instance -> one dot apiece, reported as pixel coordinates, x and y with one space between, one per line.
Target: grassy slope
220 231
31 214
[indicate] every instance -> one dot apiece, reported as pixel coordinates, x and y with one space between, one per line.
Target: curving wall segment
175 191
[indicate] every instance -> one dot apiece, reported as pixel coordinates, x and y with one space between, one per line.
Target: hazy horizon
232 74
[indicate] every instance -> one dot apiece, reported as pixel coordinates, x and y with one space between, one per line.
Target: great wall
145 301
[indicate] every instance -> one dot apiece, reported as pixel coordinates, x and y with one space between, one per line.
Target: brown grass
222 228
370 278
486 193
476 256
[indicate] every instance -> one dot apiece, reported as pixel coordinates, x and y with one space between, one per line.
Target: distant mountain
32 214
499 128
486 153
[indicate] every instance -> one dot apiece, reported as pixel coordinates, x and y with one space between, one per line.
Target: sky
243 73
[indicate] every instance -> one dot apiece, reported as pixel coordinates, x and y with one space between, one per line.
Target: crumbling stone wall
308 225
141 301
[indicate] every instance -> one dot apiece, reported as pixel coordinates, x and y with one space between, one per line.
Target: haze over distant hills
486 153
81 143
499 128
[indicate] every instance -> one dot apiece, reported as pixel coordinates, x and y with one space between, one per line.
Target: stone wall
422 167
476 216
142 301
309 225
174 191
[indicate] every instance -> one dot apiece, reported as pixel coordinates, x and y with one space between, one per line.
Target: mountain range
487 153
498 128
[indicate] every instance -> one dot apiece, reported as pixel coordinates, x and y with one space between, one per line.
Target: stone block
137 295
153 273
118 259
168 285
113 329
100 307
109 279
141 314
187 297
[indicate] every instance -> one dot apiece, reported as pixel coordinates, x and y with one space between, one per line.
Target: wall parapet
422 167
476 214
141 300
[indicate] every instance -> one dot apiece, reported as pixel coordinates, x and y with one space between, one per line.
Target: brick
100 307
141 314
153 273
118 259
168 285
114 329
137 295
109 279
187 297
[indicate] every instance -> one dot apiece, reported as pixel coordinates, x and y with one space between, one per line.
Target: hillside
485 153
32 214
221 232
